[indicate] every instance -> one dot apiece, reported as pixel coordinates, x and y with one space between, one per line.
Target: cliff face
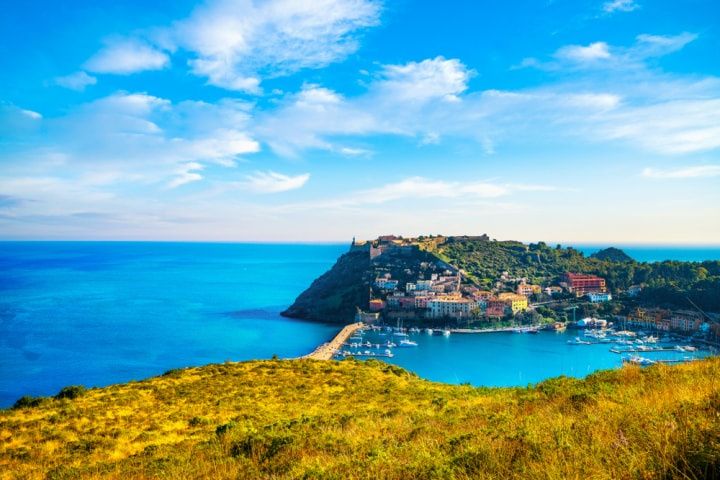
335 295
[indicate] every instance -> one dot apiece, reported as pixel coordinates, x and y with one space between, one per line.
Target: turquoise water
96 313
102 313
505 358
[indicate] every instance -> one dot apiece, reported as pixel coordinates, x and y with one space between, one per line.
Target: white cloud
76 81
273 182
126 56
702 171
235 43
620 6
186 174
425 80
581 54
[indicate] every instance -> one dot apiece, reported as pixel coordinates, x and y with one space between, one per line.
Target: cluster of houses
665 320
447 295
442 295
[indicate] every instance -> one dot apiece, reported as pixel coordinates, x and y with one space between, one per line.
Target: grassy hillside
351 420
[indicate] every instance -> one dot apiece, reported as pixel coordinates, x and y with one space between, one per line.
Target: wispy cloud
125 56
273 182
76 81
698 171
187 173
613 6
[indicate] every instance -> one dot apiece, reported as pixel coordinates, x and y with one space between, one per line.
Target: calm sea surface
101 313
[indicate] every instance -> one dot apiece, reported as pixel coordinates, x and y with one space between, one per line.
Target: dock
326 351
643 350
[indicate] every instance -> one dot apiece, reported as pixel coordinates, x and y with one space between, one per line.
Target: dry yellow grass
356 420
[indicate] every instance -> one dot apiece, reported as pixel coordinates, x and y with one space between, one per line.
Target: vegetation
352 420
669 283
336 294
612 254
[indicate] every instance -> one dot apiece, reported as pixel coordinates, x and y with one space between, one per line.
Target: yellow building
517 303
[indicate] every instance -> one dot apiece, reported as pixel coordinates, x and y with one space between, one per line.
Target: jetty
326 351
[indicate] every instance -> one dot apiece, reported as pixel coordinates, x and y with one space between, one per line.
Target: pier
326 351
643 350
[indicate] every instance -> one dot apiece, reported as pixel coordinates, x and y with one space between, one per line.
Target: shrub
72 392
26 401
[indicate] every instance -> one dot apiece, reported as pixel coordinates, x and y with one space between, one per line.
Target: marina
449 355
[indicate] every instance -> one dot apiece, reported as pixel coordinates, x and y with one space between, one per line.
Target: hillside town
437 292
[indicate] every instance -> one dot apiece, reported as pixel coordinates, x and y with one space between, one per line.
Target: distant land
431 280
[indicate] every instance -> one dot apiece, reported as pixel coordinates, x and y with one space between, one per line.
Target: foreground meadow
366 420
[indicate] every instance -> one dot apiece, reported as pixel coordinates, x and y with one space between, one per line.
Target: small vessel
578 341
407 343
638 360
446 333
429 331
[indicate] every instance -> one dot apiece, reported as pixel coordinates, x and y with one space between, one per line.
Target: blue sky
279 120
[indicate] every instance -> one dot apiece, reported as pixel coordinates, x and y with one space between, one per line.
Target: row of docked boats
399 339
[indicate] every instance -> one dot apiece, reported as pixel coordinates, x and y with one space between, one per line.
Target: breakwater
327 350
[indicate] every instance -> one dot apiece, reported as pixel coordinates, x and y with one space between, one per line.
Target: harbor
452 355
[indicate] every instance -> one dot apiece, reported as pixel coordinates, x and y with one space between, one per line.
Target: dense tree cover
612 254
669 283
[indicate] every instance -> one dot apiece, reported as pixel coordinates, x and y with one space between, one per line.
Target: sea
98 313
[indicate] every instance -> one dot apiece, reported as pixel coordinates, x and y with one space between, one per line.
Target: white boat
446 333
578 341
638 360
429 331
407 343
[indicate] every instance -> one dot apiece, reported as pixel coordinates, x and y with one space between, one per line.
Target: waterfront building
376 305
496 308
517 303
422 301
657 318
450 306
685 320
407 303
580 283
393 301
